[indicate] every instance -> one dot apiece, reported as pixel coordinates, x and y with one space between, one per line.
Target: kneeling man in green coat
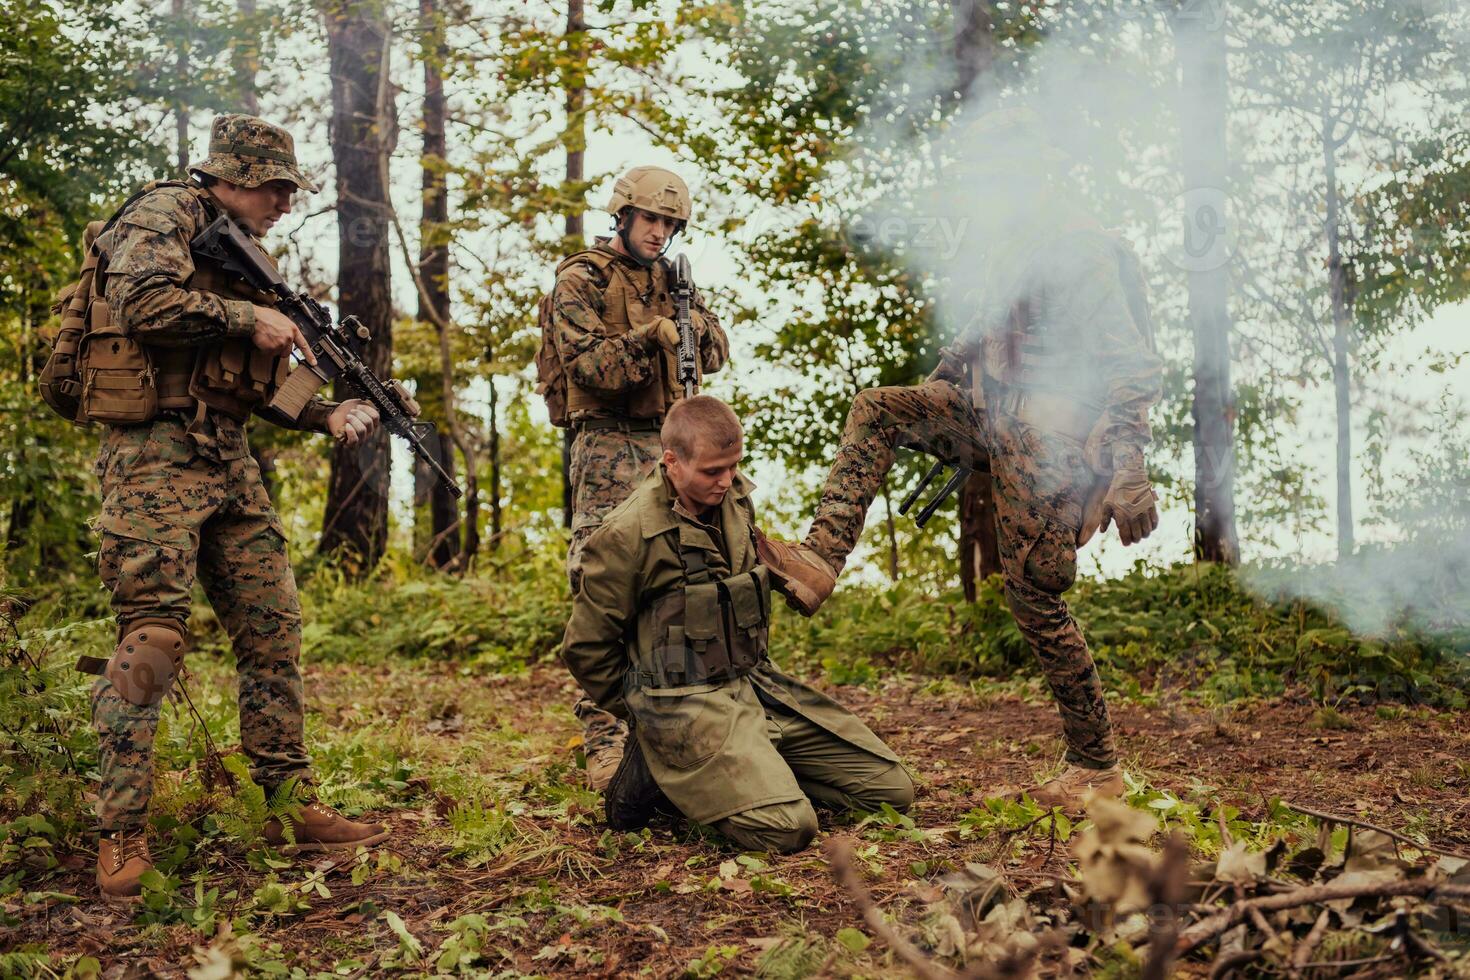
669 631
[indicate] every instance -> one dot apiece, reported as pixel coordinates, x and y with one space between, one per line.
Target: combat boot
604 751
632 797
320 828
122 860
1073 787
797 572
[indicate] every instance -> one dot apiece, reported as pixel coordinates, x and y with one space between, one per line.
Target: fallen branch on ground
1355 822
1211 926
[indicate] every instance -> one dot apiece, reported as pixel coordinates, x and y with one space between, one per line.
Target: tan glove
1130 501
662 331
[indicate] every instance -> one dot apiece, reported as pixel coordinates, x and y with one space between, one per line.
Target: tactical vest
623 304
124 381
1021 357
711 630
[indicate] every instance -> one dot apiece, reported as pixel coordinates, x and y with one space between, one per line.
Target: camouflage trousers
606 466
1041 482
170 515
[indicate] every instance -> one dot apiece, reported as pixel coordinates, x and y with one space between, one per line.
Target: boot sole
800 596
317 847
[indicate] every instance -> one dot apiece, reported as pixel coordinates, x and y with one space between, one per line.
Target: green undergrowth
503 621
1186 627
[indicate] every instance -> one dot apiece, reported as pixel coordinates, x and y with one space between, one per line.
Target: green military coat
699 739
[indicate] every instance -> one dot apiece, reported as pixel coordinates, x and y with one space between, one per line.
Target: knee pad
146 663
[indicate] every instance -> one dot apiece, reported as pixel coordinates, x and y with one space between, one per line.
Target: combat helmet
651 189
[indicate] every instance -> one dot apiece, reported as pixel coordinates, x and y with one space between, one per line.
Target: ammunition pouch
146 662
235 376
712 631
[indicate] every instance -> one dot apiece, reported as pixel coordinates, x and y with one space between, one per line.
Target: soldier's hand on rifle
662 331
276 334
1131 502
352 421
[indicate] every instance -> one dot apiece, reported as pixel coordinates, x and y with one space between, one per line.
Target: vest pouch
704 632
60 381
224 379
669 662
748 607
116 373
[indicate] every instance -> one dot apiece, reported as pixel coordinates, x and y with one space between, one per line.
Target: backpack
551 377
83 312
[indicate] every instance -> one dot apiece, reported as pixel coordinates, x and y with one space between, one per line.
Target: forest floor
498 863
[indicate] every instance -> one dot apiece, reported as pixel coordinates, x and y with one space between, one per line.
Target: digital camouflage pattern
1040 484
169 515
249 151
606 467
153 295
149 268
599 352
749 755
1079 351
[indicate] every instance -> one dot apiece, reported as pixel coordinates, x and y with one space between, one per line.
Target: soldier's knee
894 787
780 828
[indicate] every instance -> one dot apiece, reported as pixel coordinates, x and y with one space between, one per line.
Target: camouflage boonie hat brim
249 151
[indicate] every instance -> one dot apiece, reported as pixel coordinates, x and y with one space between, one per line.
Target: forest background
1294 177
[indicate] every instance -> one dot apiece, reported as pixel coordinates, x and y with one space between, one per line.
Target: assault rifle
688 349
338 346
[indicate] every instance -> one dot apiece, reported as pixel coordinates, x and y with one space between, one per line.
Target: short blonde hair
700 417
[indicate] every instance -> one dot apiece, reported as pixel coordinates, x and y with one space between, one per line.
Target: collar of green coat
656 512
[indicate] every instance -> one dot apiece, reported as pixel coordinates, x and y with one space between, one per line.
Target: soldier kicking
1053 384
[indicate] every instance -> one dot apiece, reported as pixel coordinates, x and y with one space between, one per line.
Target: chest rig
711 630
628 295
125 381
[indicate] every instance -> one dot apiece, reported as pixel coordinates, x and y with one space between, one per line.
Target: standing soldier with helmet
175 356
608 371
1053 385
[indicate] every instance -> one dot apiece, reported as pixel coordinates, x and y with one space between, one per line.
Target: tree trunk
355 521
974 55
1341 324
1204 80
574 138
974 44
181 79
496 516
434 271
245 58
979 538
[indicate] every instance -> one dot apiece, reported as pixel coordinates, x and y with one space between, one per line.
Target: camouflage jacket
149 267
1080 340
611 360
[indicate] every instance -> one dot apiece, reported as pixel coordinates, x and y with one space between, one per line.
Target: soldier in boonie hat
248 151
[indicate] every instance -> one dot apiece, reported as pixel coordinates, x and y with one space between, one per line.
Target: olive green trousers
834 774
